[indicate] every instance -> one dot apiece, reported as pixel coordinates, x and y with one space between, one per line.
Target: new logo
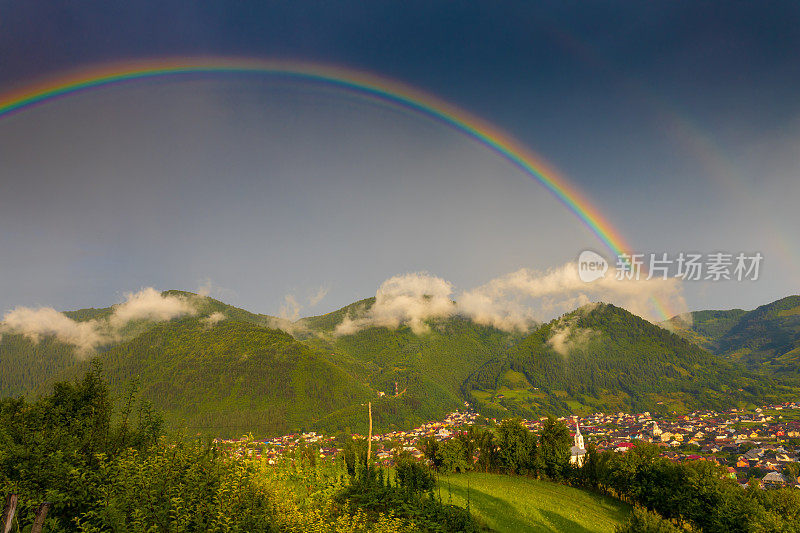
591 266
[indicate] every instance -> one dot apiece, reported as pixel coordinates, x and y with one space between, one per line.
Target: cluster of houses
760 443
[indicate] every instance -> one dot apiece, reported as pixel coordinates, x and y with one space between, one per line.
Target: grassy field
516 504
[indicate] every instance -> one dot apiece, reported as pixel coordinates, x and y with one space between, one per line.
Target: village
763 443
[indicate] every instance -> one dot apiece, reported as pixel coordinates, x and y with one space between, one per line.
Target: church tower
578 450
578 435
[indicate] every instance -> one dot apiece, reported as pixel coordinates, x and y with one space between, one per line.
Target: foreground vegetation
518 503
102 472
695 494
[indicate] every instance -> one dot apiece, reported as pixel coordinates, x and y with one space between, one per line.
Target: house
773 480
753 454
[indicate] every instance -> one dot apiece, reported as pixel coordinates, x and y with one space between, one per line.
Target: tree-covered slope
603 358
428 368
704 328
230 378
327 323
234 373
766 340
222 371
27 367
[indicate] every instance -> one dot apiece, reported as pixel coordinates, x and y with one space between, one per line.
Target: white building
578 450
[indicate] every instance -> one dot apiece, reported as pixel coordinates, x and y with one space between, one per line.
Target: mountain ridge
225 371
765 339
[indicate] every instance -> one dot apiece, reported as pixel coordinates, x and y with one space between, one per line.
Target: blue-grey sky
679 120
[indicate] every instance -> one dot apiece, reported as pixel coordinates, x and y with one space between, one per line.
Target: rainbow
368 84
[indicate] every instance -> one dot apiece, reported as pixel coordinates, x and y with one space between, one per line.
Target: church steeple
578 435
578 451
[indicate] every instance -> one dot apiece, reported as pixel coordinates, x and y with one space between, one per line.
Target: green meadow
517 504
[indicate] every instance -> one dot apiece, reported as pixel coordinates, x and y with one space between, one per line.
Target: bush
644 521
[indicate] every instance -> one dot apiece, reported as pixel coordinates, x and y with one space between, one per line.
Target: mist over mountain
215 369
602 358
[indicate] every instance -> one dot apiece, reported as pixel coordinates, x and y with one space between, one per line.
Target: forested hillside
222 371
765 340
27 366
426 370
231 378
603 358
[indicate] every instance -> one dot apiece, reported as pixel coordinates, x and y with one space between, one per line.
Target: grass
518 504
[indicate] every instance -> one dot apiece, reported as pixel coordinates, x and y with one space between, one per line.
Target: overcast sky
680 121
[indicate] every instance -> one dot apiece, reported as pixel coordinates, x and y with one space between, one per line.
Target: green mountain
237 373
231 378
704 328
765 340
425 370
603 358
27 366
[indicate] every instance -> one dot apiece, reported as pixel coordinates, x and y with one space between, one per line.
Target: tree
51 445
791 471
589 474
644 521
488 450
455 456
554 448
430 448
355 455
413 477
517 447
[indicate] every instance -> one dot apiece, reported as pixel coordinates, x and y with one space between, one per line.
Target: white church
578 450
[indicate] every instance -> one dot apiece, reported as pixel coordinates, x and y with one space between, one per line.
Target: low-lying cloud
513 302
407 299
316 297
87 336
566 336
213 319
150 304
46 321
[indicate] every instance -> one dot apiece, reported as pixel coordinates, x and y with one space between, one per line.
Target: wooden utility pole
41 513
8 512
369 438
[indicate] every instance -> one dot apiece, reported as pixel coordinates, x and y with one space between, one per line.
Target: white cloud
45 321
150 304
317 296
513 302
86 336
509 301
212 319
566 336
406 299
290 310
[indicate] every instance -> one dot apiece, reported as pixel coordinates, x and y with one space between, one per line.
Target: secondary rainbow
368 84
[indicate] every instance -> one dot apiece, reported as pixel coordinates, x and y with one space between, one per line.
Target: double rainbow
367 84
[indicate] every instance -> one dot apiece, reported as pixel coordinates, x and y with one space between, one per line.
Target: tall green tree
554 448
517 447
